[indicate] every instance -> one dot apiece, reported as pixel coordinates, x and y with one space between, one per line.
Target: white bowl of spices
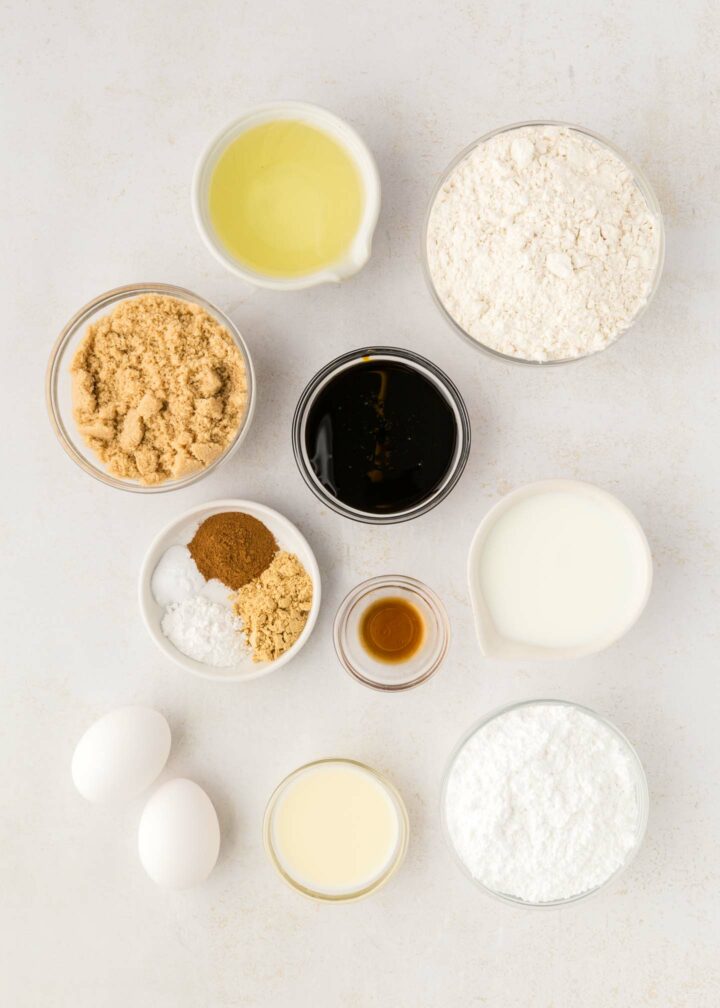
211 584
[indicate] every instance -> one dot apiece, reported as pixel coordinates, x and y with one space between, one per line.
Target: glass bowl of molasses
381 435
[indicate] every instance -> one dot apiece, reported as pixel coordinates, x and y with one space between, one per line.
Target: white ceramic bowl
179 533
492 644
359 251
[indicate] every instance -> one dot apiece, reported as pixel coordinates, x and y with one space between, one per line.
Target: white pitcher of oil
288 196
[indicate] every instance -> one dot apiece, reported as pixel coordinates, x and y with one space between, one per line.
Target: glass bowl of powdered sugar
542 243
544 803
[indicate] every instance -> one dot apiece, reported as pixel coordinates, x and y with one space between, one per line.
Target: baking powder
205 631
541 803
541 245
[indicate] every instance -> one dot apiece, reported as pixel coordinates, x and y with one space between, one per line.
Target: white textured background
105 108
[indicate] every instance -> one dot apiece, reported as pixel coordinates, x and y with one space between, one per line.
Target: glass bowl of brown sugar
149 388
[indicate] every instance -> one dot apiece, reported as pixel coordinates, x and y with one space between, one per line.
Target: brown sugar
232 547
274 607
159 389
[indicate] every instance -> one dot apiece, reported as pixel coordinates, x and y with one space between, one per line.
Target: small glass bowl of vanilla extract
381 435
391 633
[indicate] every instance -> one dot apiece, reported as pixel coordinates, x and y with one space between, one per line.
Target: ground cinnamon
232 547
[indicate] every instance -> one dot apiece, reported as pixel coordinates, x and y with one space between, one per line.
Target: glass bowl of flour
542 243
544 803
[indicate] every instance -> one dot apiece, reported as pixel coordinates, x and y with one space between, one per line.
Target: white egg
179 835
121 754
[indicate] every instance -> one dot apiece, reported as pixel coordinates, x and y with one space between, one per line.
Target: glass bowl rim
391 581
641 784
378 883
449 388
57 354
643 184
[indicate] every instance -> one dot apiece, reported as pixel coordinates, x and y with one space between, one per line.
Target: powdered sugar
205 631
541 803
541 245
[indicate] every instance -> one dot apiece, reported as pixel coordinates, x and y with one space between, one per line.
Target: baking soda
176 577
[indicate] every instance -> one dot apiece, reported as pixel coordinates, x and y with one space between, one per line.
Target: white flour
541 245
205 631
541 803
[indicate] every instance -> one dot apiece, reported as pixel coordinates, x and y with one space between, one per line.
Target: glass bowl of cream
287 196
336 830
499 206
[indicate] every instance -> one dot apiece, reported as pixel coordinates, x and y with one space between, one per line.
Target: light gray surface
105 109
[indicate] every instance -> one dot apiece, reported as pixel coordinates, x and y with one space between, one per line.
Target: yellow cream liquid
285 199
335 829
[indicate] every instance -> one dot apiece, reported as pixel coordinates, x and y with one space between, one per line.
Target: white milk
562 569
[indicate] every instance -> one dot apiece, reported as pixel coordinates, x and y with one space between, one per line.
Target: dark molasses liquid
381 436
